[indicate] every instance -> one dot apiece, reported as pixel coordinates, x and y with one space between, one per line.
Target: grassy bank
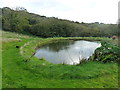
22 70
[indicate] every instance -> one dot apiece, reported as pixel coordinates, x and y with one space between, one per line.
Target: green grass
38 73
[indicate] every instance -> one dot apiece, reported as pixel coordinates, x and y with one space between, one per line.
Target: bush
107 53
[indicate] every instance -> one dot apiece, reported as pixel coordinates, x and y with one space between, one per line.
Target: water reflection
57 46
68 52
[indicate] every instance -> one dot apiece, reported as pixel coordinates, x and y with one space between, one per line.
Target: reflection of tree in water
57 46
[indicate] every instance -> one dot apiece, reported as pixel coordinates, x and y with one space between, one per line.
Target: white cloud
105 11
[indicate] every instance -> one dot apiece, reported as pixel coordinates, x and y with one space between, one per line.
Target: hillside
21 21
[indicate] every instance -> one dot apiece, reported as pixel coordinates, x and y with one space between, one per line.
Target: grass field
20 69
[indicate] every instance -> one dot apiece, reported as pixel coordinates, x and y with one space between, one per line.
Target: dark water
68 52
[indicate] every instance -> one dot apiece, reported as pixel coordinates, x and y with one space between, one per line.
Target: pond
67 51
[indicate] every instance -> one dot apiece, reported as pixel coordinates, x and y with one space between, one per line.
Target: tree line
21 21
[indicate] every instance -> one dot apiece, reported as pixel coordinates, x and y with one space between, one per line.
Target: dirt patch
4 40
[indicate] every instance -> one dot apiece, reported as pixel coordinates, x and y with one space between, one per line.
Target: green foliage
52 28
19 20
107 53
14 21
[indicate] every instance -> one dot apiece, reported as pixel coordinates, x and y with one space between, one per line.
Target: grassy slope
40 74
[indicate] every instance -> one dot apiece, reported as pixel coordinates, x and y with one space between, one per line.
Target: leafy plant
107 53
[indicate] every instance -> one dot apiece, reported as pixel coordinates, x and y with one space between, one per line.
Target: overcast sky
105 11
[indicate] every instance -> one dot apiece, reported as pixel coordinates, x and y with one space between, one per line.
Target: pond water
67 52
